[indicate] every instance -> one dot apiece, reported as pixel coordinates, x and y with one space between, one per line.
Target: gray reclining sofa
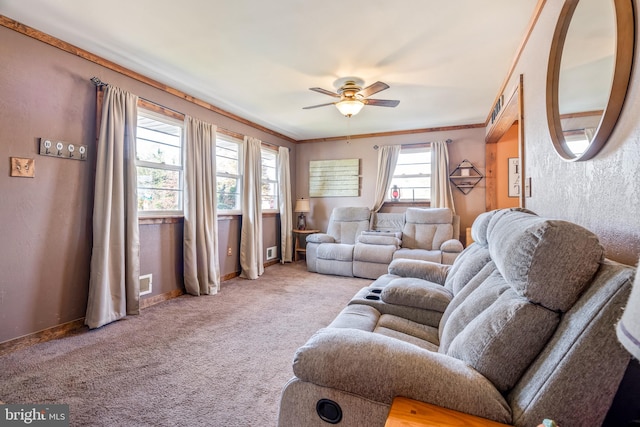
520 328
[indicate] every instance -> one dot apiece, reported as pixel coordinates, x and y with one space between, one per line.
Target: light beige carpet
193 361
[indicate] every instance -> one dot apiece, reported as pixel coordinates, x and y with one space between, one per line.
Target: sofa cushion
335 251
427 270
549 262
415 333
468 264
418 254
346 223
387 221
369 238
412 292
320 238
497 332
479 228
427 228
429 216
382 254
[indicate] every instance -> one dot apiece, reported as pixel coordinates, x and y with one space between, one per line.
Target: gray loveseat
361 245
519 328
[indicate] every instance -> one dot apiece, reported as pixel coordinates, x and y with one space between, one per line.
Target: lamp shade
302 205
628 329
350 107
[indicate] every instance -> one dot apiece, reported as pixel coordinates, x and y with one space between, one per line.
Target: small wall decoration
22 167
334 178
514 177
465 177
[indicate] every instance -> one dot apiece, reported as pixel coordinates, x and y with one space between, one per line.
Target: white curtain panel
286 215
201 264
251 258
441 194
387 159
114 283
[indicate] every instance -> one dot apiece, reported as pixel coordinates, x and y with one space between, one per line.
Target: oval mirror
589 70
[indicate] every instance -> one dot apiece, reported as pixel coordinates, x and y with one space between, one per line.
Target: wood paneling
334 178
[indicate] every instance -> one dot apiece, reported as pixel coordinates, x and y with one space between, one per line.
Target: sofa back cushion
549 262
497 332
387 221
346 223
427 228
538 268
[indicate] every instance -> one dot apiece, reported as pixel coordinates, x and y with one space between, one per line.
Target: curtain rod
448 141
99 84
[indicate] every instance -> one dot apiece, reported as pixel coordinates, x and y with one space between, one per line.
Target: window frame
275 182
239 177
154 115
409 151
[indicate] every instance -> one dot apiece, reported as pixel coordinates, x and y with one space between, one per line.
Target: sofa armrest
379 368
373 239
426 270
320 238
452 245
417 293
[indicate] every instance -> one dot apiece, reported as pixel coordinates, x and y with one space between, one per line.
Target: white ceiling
444 60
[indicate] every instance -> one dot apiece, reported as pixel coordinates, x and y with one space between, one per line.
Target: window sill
152 220
424 203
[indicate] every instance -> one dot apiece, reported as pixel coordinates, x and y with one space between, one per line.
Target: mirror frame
625 41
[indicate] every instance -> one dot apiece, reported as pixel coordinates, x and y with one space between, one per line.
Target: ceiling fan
353 97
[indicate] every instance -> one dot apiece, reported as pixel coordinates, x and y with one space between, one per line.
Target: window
269 180
159 163
413 174
228 175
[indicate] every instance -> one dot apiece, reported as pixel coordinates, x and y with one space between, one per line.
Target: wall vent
146 284
272 252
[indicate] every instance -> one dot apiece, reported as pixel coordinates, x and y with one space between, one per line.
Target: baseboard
156 299
59 331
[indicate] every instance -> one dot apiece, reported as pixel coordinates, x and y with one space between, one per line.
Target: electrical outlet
229 251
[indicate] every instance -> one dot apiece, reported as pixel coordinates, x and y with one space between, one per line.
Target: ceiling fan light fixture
349 107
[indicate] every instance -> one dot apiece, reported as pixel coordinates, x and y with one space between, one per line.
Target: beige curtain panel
387 160
286 215
201 264
251 257
114 284
441 193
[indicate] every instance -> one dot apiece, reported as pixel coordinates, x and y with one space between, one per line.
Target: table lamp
628 329
302 206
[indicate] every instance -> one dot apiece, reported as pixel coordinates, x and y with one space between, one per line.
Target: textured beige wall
602 194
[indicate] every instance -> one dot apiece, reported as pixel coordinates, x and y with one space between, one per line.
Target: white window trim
427 175
276 210
239 177
139 163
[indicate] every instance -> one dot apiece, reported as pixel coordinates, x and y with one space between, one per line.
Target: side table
406 412
298 248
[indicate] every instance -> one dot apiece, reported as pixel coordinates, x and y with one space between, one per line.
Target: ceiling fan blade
324 91
374 88
319 105
382 102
